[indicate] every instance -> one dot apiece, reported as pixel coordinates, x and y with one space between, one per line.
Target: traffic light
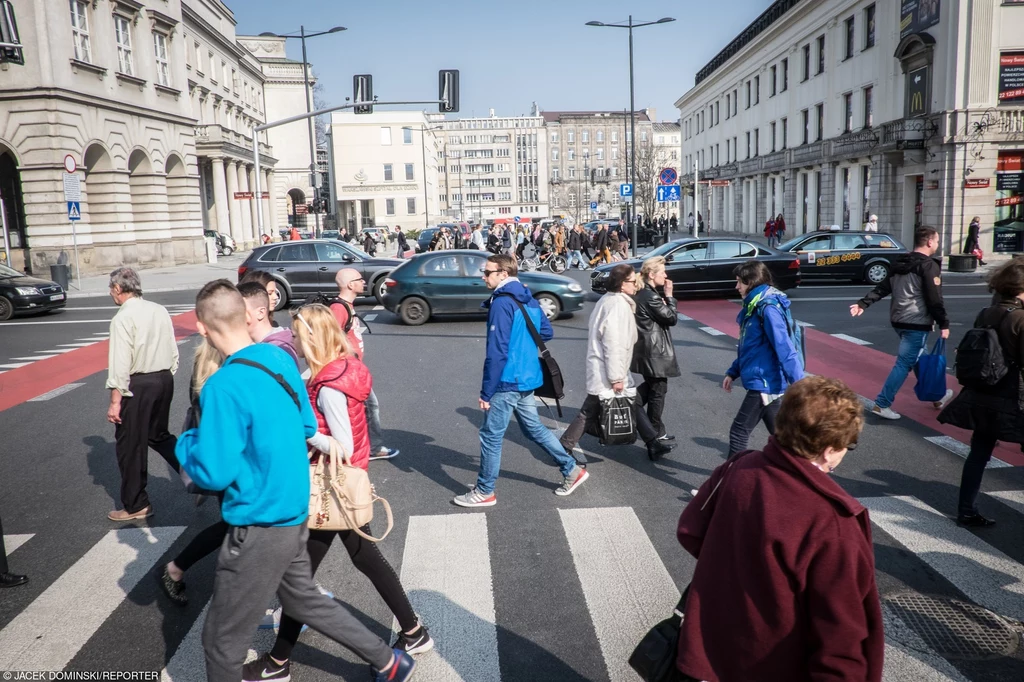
448 90
362 91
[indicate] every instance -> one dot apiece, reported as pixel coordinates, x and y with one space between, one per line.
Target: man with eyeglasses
351 285
512 372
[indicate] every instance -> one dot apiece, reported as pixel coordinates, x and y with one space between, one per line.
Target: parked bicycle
549 259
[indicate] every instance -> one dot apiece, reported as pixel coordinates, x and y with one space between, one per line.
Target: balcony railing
213 134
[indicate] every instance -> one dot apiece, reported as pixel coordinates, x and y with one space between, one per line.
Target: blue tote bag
931 373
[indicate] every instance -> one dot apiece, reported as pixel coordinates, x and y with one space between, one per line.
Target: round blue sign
668 176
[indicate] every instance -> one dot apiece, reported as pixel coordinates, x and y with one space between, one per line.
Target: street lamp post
309 108
632 107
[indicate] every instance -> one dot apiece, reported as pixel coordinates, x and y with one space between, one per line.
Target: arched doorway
13 207
296 200
178 199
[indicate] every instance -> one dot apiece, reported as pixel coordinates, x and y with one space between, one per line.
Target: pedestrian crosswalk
453 568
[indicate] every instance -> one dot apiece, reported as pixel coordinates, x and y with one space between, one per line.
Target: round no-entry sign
70 166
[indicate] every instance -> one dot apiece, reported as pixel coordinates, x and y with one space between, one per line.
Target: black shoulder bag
553 387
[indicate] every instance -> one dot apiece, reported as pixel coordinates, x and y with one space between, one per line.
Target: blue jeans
496 419
912 344
576 257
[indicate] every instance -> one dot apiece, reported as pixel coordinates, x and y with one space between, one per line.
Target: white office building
828 111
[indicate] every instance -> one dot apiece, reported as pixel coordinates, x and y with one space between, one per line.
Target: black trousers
367 558
144 425
4 568
752 410
652 394
206 542
982 445
591 412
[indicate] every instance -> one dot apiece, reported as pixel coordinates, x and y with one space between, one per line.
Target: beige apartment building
154 100
830 111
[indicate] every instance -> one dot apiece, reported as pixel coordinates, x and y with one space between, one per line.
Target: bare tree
645 183
320 122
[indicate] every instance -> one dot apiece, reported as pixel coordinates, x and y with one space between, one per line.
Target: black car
856 255
423 240
308 267
705 266
21 293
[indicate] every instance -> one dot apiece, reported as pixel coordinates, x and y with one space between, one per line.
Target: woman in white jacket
609 351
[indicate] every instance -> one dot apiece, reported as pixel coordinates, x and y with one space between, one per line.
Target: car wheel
228 251
282 298
379 288
6 308
876 273
549 305
414 311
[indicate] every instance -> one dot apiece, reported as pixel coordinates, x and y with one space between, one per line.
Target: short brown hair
818 413
505 262
257 276
923 235
753 273
219 305
619 274
1008 279
254 290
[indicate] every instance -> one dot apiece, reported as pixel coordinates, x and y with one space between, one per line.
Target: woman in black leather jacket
654 355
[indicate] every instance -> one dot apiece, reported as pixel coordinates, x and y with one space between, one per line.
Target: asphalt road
536 588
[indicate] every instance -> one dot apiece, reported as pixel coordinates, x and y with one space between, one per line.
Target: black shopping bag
617 424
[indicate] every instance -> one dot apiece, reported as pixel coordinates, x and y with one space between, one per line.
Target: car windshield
788 246
359 252
9 272
663 249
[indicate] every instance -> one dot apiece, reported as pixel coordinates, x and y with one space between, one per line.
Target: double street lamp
629 25
302 35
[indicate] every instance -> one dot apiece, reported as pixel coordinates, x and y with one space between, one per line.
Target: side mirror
347 258
670 258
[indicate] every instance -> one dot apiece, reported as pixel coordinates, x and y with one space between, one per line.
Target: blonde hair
207 361
319 336
650 267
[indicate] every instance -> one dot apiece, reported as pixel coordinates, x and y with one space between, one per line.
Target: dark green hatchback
450 283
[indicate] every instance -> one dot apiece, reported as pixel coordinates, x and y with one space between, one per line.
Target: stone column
274 226
254 207
244 211
220 196
359 216
235 215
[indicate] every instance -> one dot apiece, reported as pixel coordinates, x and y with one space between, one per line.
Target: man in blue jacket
261 465
511 373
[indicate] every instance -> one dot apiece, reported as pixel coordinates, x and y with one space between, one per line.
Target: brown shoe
122 515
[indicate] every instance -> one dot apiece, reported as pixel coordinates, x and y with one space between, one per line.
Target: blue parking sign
626 189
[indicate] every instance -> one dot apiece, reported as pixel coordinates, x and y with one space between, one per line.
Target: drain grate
955 629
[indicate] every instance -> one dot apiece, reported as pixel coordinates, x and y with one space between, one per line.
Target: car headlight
27 291
575 288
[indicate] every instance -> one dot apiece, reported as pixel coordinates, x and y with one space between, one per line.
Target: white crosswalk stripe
448 568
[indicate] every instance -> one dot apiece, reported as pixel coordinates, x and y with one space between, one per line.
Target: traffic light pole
302 117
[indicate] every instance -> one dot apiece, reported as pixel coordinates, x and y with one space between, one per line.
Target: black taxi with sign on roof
866 256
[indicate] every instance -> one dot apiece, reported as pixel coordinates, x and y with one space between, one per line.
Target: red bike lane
863 369
24 383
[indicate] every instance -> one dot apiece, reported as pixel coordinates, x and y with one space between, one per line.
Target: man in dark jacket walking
576 243
601 252
403 243
915 284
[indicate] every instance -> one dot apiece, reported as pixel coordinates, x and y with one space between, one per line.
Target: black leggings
371 563
590 412
982 445
206 542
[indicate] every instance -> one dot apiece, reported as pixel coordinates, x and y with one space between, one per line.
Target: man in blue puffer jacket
766 361
511 373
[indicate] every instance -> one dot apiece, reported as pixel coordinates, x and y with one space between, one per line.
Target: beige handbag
341 496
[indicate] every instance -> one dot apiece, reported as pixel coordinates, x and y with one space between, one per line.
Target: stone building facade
830 111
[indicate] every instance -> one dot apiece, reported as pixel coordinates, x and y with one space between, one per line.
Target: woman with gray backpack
988 365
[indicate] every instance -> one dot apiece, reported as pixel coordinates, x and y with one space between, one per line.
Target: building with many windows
154 100
830 111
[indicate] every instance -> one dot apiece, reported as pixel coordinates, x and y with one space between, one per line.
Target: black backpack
324 299
980 360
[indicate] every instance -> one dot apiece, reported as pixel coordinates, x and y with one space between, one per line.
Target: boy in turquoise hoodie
261 465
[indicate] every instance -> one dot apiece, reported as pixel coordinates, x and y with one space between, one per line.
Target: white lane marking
683 318
30 324
712 331
33 358
988 577
15 365
44 637
851 339
49 395
962 450
189 661
626 585
446 570
61 350
1011 498
853 299
804 324
13 542
78 345
378 307
371 317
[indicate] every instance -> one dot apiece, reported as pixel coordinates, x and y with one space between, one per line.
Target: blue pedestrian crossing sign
74 210
668 193
626 189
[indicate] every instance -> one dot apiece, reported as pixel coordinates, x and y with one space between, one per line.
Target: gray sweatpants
254 563
372 407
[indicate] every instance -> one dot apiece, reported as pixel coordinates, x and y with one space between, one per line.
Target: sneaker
265 668
939 404
572 481
122 515
475 498
666 437
384 453
400 670
884 412
174 589
416 643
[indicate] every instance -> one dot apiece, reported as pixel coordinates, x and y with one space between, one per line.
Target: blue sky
510 54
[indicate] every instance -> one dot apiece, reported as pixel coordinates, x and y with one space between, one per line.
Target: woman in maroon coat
784 587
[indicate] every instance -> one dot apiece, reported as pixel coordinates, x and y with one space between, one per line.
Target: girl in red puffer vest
339 385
